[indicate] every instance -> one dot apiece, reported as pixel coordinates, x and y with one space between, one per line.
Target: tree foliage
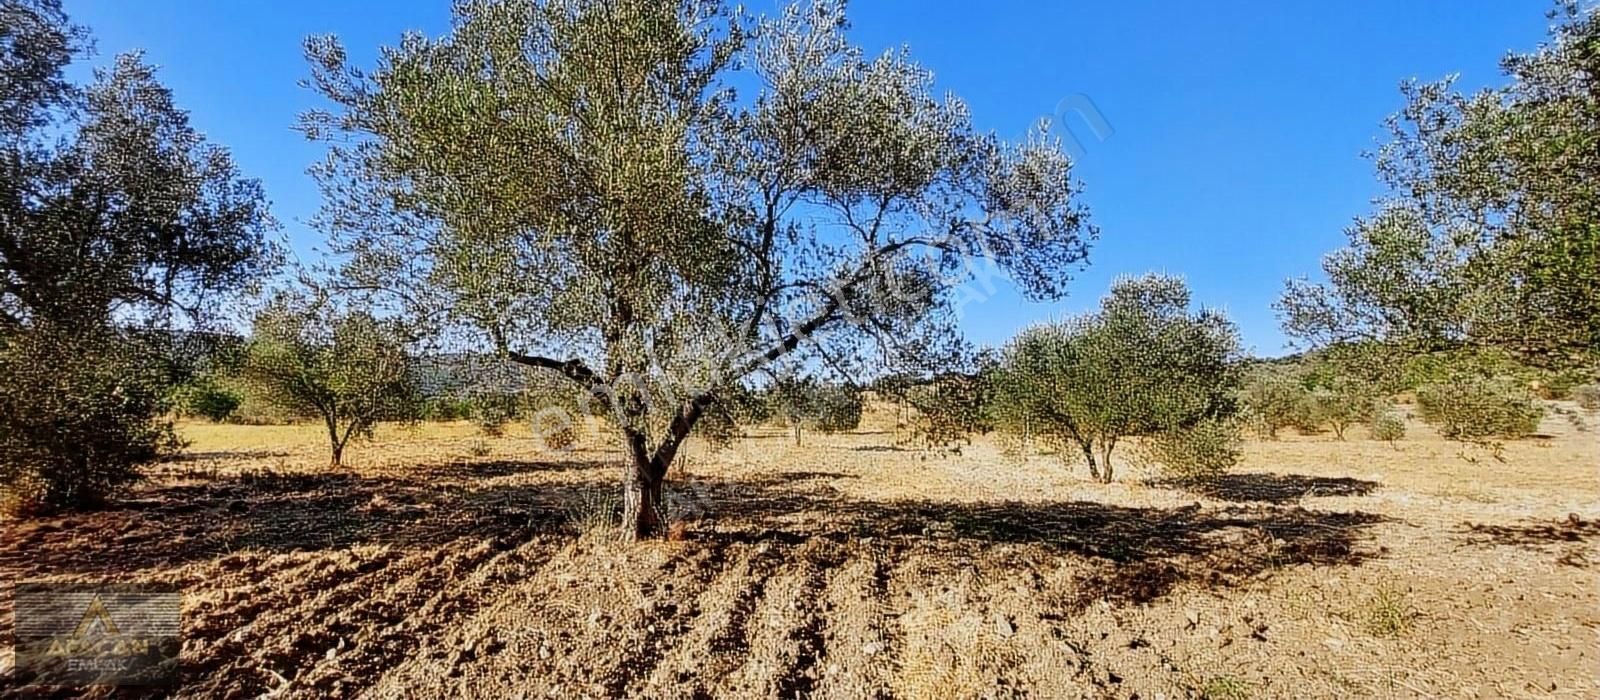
78 412
345 367
950 408
115 216
806 402
1473 408
1274 397
1490 233
576 183
1140 365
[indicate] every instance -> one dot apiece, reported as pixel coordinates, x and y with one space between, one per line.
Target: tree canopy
116 217
579 184
1490 230
1139 365
345 367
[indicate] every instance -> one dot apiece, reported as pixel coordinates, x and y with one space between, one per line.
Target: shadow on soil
1533 533
1275 488
1135 554
1130 554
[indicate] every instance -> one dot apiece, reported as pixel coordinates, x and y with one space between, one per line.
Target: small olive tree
1339 401
822 406
1274 398
345 367
1140 365
948 409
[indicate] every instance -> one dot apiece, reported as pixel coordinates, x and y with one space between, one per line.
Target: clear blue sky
1238 127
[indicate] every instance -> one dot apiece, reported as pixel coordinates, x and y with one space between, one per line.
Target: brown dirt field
441 564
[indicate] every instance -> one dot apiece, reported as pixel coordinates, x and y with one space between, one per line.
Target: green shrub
556 428
204 398
444 409
1274 398
1388 426
80 411
1587 396
1475 408
1205 450
491 411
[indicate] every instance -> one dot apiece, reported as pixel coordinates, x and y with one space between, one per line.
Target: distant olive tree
1274 398
1339 401
949 409
576 184
343 367
1387 425
1488 234
1480 409
117 221
826 407
1140 365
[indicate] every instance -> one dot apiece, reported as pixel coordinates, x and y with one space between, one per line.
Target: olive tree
805 402
1490 230
118 224
576 184
1141 364
949 408
346 368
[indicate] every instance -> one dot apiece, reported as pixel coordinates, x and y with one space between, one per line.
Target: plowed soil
440 564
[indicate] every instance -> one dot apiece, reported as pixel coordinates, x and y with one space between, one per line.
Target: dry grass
441 563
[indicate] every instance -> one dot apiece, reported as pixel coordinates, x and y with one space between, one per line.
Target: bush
1388 426
203 398
1205 450
491 411
80 412
1587 396
445 409
1474 408
556 427
1274 399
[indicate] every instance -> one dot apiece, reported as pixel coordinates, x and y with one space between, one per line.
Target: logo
114 634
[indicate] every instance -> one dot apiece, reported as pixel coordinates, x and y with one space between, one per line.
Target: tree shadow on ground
215 455
1273 488
1129 553
1135 553
1532 533
169 526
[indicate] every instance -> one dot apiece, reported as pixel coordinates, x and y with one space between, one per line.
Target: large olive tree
578 183
118 221
1490 230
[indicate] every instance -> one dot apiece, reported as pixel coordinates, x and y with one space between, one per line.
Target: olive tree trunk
642 516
